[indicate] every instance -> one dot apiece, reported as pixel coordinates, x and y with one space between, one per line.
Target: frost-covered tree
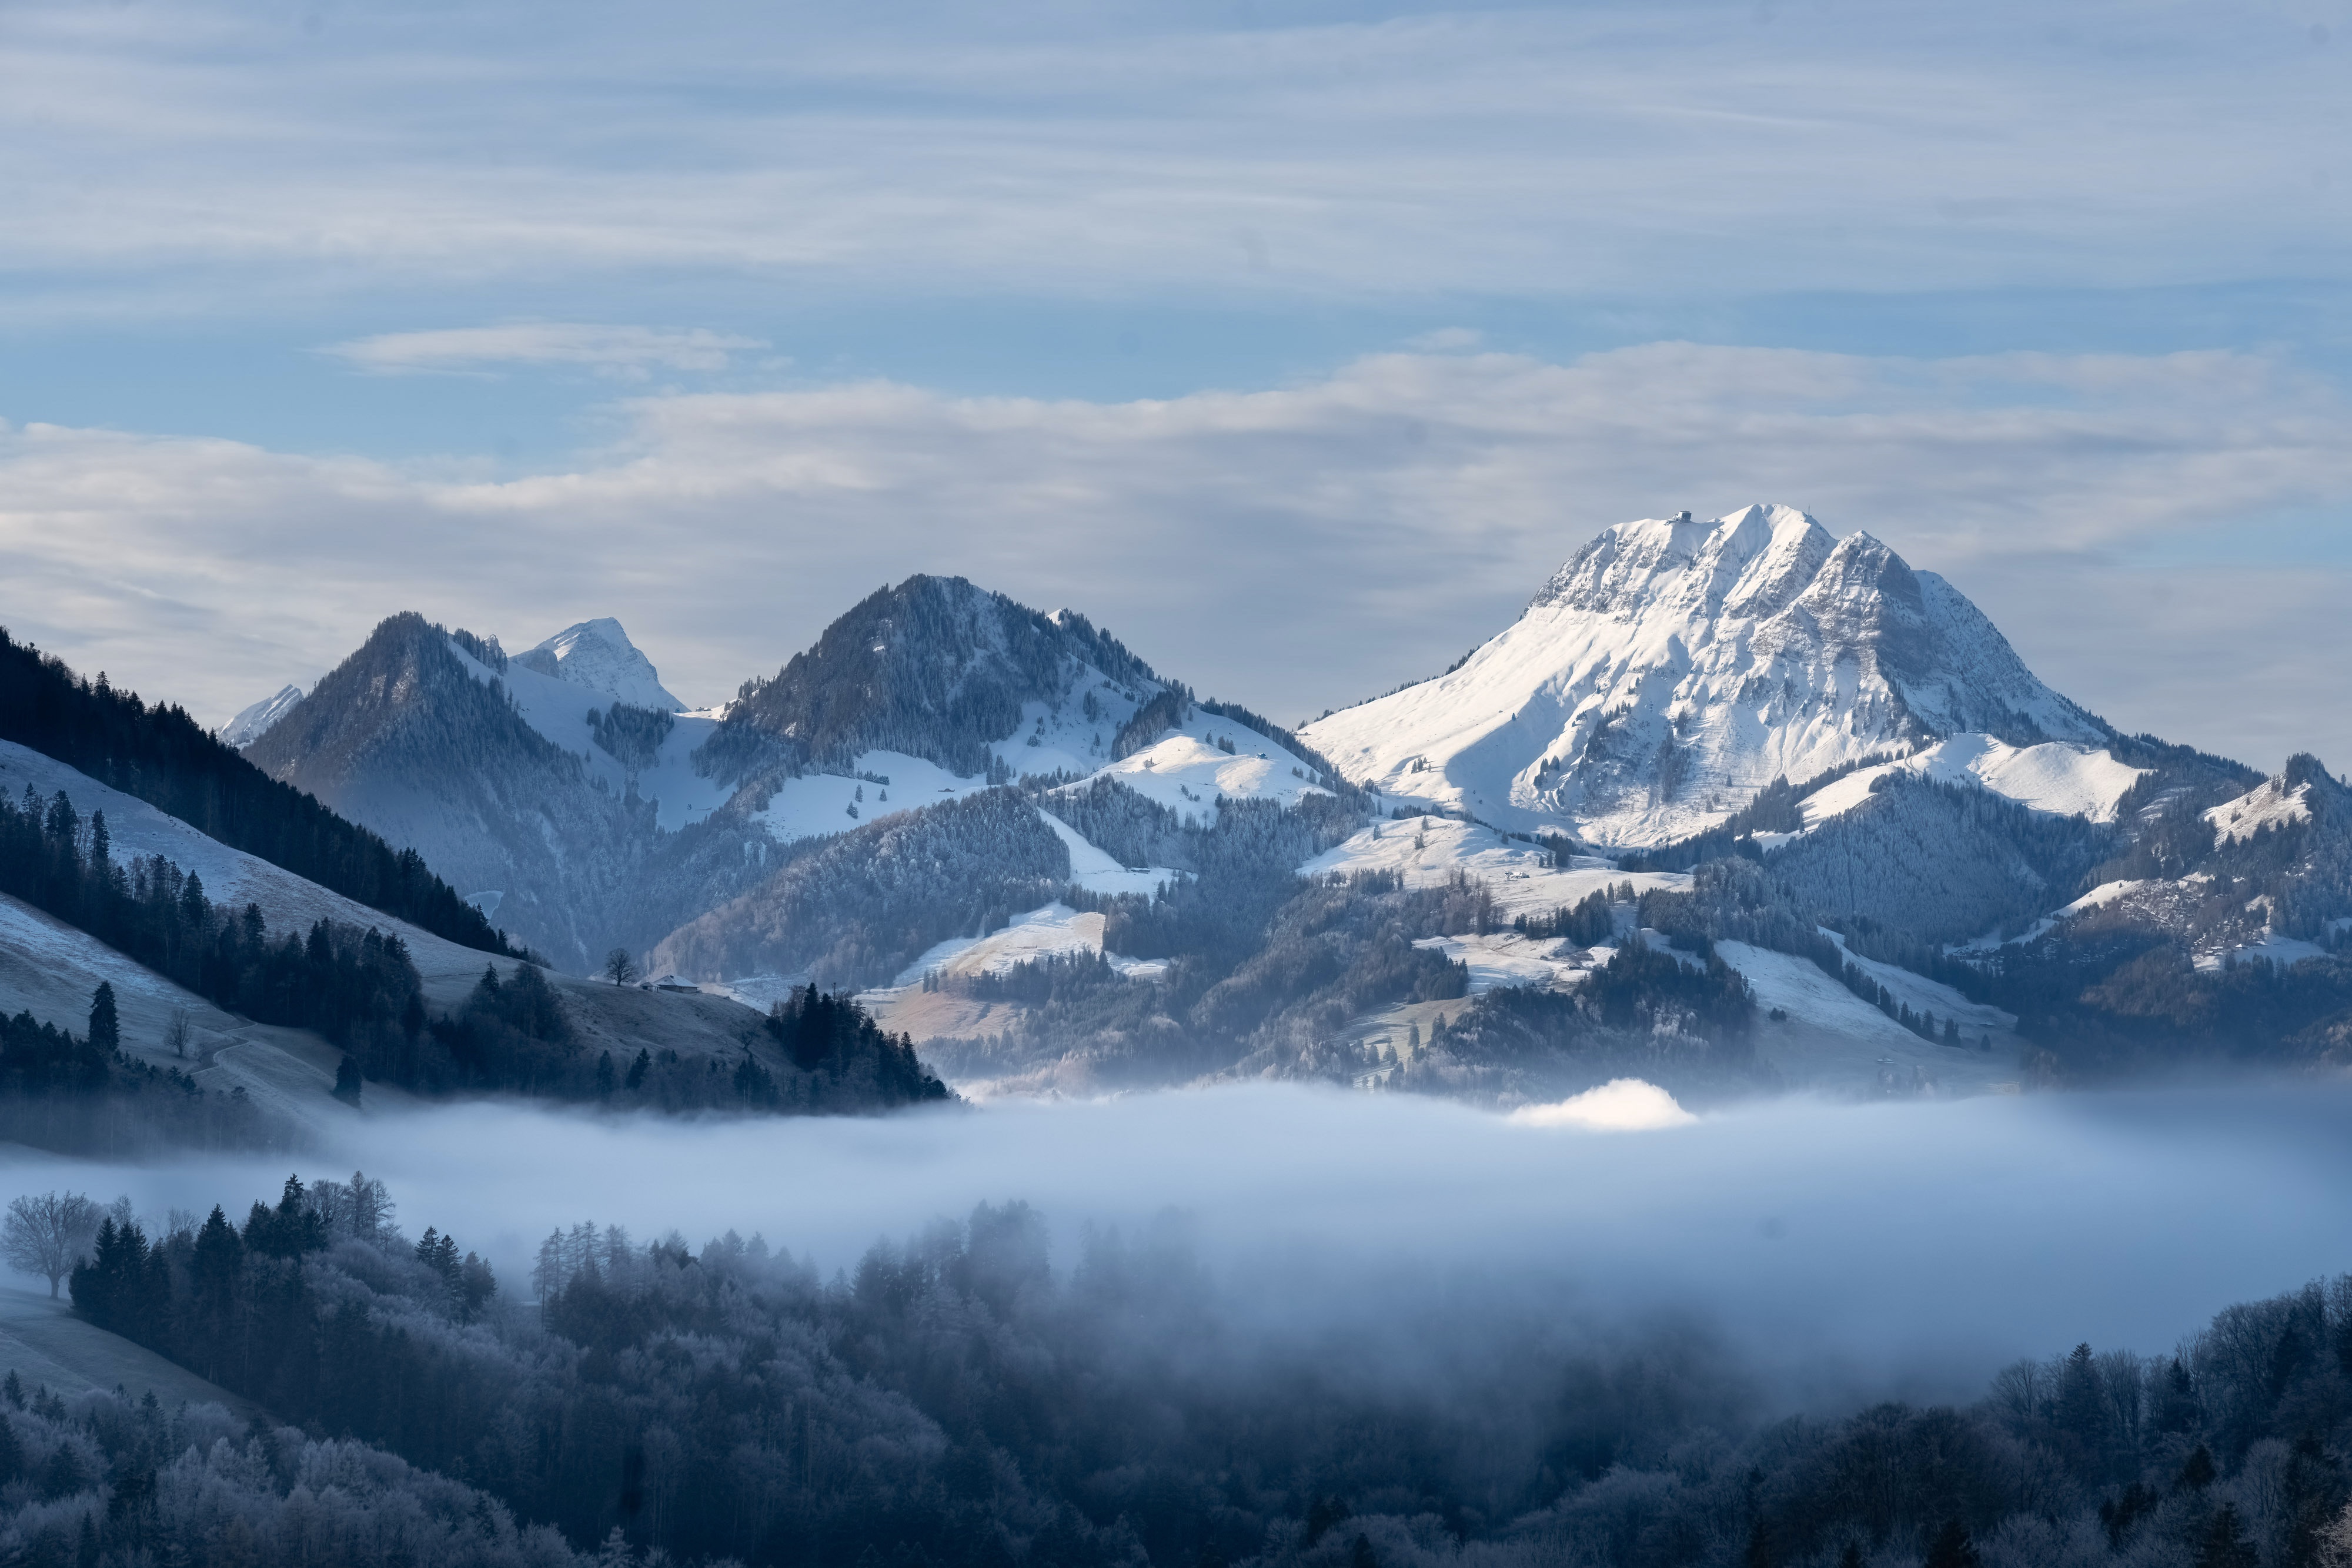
49 1233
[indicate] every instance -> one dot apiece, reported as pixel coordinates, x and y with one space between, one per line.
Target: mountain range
1732 804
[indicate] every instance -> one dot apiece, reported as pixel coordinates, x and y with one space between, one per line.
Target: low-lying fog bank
1894 1248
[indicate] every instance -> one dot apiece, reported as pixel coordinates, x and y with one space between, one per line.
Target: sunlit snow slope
1672 667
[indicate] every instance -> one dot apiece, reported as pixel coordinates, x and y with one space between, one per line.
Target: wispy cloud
1294 548
1711 148
622 350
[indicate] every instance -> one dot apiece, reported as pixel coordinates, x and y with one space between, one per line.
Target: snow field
230 876
1055 930
2263 806
1186 770
1501 960
817 804
2054 777
1096 870
1427 850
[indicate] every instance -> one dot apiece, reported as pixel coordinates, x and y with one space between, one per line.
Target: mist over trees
962 1396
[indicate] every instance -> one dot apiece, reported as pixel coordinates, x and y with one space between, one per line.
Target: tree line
361 990
83 1095
162 756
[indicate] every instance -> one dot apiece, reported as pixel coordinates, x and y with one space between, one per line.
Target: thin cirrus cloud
1294 548
617 350
1698 149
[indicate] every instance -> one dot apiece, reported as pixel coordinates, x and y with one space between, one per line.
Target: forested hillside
360 990
854 910
964 1398
160 755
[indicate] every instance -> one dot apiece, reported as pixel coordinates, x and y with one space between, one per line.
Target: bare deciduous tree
48 1234
619 966
177 1032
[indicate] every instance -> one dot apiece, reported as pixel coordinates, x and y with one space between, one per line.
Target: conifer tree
105 1028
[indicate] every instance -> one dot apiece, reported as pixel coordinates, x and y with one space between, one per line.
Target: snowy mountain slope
51 969
623 1020
561 711
1673 668
1834 1041
2054 777
495 777
543 790
598 657
1429 852
251 724
230 876
1204 759
2273 804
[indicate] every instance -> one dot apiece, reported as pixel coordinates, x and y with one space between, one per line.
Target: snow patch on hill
1055 930
1428 852
1188 770
1832 1039
816 804
2054 777
1502 960
1096 871
2267 805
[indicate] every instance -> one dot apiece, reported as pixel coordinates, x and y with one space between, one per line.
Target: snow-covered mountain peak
254 722
598 656
1675 666
1741 558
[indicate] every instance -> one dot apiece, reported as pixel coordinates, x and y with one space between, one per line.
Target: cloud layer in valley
1920 1245
2154 533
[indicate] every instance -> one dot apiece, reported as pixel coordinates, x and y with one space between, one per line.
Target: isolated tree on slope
105 1027
619 968
48 1234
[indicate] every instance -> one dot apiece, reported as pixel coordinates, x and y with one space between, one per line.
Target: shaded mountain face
935 668
1673 669
415 737
564 792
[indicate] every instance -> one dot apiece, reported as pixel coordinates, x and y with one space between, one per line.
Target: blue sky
1296 344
